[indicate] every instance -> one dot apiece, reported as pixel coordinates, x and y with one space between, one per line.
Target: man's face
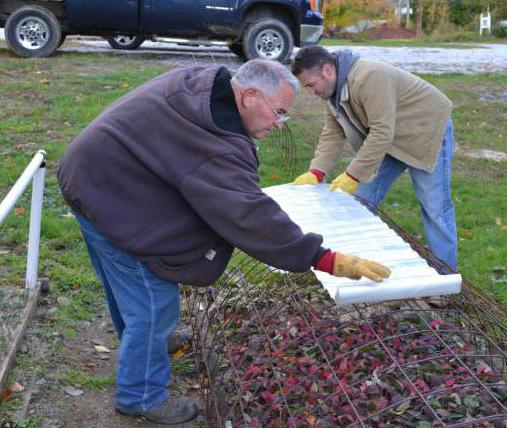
320 82
262 113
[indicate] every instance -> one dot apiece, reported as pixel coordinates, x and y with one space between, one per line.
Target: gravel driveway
478 59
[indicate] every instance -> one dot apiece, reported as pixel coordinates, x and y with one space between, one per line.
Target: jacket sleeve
225 193
330 144
377 95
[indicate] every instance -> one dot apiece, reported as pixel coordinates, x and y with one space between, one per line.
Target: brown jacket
396 112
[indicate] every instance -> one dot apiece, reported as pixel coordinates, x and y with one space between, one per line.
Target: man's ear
249 97
328 71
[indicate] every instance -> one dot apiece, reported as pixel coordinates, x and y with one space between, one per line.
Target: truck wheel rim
269 44
32 33
124 40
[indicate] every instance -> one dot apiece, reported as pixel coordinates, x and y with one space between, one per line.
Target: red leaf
343 367
267 396
381 403
253 371
449 382
5 394
436 323
306 360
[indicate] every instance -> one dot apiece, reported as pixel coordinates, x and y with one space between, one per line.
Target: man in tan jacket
394 121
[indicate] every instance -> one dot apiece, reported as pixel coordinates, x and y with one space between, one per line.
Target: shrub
500 31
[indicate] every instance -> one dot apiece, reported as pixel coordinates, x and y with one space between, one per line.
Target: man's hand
355 267
306 178
344 182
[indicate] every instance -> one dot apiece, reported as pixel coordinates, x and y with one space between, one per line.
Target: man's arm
330 146
377 95
225 193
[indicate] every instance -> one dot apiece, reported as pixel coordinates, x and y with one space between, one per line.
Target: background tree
419 19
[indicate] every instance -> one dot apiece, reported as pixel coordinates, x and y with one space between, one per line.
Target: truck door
221 13
119 15
186 16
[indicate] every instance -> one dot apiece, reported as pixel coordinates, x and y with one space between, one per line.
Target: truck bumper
311 34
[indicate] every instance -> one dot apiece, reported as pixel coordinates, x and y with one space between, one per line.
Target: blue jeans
433 190
145 311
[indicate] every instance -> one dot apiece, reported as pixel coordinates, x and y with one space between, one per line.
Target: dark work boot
177 340
172 412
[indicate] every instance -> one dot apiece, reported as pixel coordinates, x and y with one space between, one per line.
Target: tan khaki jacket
397 113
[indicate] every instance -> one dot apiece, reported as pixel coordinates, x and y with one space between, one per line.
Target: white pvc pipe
36 170
32 261
19 187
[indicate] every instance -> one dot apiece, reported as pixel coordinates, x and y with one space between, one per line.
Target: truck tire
62 39
237 49
125 41
32 32
268 38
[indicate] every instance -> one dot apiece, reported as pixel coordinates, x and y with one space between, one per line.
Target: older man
394 121
164 185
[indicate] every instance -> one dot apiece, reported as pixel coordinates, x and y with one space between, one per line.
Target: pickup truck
252 28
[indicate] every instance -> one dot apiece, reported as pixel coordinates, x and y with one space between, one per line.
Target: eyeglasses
280 118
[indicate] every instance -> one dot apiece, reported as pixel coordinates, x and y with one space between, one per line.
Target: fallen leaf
311 420
19 210
16 387
402 408
465 233
69 389
5 394
293 331
178 354
101 348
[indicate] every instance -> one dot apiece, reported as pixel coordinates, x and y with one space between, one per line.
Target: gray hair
265 76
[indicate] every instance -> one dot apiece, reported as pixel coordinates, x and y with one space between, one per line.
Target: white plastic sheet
349 227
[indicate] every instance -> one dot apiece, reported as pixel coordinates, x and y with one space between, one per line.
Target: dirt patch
492 155
490 95
386 32
57 357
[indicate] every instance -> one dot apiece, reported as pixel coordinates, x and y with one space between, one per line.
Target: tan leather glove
355 267
306 178
344 182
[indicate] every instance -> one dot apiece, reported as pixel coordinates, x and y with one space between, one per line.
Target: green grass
84 380
411 43
46 102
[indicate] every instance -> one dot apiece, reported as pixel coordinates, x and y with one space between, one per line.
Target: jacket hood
188 92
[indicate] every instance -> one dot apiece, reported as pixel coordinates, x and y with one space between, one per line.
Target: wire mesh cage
274 350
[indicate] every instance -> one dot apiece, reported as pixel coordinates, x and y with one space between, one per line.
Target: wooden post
17 335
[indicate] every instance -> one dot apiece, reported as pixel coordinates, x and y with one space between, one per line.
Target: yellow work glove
355 267
306 178
344 182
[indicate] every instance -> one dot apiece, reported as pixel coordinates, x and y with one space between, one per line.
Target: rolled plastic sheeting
349 227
